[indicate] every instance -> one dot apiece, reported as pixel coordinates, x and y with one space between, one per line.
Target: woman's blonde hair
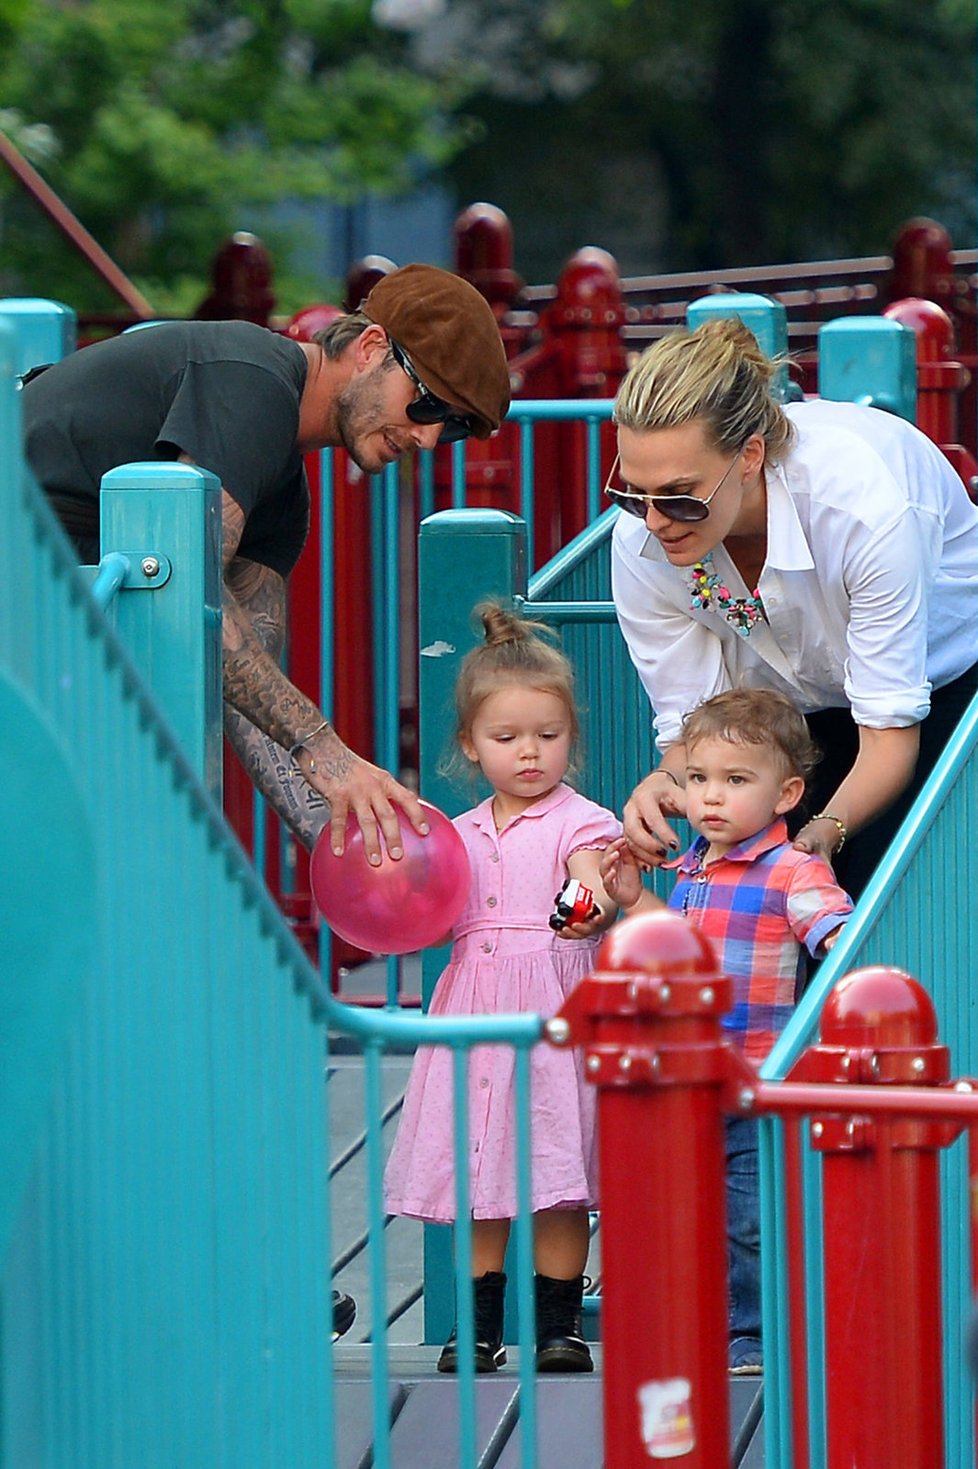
515 651
716 375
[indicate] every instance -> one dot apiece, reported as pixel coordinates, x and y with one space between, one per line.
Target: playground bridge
165 1231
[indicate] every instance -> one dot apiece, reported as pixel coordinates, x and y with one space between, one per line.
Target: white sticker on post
667 1418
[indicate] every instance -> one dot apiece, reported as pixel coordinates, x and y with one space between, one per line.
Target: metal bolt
706 995
665 994
624 1063
633 989
850 1129
963 1086
745 1099
151 566
917 1064
817 1129
594 1063
558 1030
846 1062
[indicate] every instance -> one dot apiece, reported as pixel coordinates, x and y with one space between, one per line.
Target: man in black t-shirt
421 362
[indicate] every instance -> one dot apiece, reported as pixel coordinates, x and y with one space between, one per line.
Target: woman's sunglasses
687 509
426 408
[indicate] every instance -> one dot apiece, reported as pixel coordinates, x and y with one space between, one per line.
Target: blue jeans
743 1227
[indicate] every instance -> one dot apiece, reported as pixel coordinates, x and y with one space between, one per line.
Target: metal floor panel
425 1413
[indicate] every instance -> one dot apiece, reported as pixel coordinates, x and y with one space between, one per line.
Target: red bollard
649 1021
923 266
242 282
361 278
881 1211
586 319
941 380
940 377
484 256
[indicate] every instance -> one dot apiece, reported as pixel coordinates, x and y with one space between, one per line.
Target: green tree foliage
161 126
725 132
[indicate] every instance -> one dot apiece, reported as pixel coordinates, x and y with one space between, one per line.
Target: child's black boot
488 1291
560 1345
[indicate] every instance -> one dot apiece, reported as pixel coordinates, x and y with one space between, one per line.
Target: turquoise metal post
46 330
869 359
767 319
166 519
465 556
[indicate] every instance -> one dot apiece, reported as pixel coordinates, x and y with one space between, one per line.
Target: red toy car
573 904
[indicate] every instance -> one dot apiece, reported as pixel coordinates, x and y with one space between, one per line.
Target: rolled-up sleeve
888 571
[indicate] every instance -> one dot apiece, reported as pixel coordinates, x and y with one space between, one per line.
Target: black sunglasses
687 509
426 408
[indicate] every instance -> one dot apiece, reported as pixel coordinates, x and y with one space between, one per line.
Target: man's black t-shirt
225 393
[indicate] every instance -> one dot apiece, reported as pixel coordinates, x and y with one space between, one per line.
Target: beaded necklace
707 593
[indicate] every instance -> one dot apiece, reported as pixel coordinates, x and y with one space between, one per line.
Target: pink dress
506 958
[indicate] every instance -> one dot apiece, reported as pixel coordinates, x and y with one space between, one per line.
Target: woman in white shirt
822 549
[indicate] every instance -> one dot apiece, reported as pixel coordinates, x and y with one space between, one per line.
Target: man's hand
647 830
350 784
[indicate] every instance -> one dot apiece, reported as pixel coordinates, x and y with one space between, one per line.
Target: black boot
344 1313
490 1353
560 1345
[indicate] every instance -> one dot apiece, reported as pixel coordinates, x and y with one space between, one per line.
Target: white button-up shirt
869 586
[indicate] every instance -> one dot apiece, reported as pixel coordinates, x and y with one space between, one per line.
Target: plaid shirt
758 905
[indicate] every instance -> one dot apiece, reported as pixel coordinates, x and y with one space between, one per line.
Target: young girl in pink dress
517 720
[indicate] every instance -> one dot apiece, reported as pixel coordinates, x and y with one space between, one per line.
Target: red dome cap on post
484 254
880 1007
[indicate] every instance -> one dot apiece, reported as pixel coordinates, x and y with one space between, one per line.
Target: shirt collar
787 544
749 850
482 816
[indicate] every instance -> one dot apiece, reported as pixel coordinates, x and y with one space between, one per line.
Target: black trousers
837 736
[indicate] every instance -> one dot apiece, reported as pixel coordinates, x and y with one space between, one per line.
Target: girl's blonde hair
716 375
514 652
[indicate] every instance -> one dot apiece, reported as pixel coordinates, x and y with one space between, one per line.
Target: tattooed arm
266 715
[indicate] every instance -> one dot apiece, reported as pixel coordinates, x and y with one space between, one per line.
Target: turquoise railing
165 1284
164 1211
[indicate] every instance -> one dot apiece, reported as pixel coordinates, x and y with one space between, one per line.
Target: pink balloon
399 906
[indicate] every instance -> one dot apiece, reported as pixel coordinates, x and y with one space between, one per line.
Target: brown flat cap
450 334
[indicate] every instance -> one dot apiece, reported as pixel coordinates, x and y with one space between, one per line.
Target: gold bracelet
843 830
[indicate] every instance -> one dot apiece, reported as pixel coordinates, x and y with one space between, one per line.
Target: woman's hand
647 830
822 837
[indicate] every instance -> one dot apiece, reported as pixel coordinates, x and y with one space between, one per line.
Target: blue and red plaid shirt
759 904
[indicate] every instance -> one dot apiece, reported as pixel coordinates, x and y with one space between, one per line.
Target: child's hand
600 921
621 874
830 939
